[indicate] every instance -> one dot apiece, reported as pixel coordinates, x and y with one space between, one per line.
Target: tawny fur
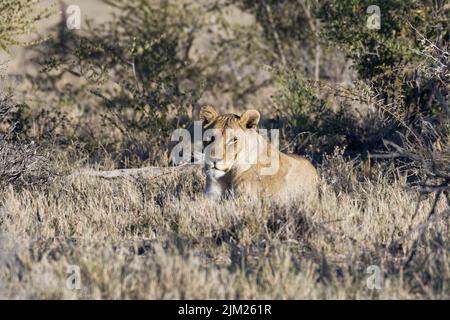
231 175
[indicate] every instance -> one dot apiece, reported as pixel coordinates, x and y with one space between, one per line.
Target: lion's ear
208 114
250 119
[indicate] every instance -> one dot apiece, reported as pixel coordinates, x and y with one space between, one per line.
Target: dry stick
135 75
133 173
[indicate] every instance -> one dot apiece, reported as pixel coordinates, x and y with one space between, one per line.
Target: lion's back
302 171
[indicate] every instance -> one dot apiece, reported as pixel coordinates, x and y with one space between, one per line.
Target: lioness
239 160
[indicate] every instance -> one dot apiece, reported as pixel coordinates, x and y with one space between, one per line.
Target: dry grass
160 238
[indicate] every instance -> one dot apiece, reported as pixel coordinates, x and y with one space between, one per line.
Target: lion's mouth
219 166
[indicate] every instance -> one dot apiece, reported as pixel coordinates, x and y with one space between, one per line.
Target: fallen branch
145 172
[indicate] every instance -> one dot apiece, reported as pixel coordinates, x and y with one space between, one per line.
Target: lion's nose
214 162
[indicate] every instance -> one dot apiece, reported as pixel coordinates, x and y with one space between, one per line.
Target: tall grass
161 238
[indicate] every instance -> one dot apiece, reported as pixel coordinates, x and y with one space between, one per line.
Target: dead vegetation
22 163
148 238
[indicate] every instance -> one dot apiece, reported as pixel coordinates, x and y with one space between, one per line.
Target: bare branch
144 172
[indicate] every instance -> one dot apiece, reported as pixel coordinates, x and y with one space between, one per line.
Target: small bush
19 18
22 163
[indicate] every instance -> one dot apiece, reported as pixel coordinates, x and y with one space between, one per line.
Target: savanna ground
161 238
377 132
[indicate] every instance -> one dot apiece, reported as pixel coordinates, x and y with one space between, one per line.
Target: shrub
19 18
22 163
316 126
389 57
133 69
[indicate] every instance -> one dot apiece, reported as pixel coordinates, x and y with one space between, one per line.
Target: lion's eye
209 141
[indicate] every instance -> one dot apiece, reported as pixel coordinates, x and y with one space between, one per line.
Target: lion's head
240 159
231 140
